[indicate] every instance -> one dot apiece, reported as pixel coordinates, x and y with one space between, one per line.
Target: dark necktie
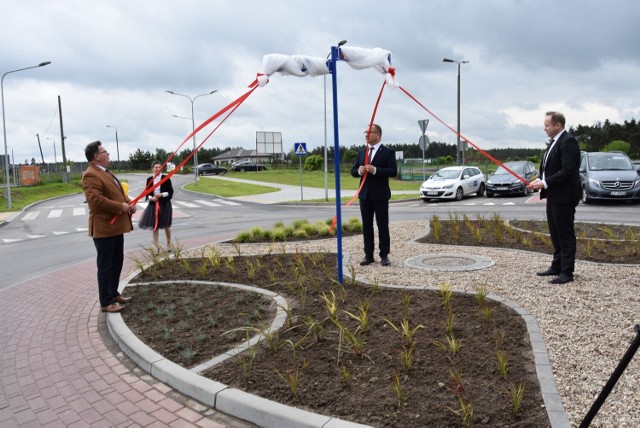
115 179
370 154
546 155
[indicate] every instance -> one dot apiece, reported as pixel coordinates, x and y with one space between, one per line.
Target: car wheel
526 191
426 200
489 195
241 169
459 194
481 189
585 196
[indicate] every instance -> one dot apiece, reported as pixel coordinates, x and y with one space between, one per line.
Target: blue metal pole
335 50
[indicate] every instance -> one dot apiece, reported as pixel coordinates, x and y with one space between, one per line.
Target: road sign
424 142
300 149
423 125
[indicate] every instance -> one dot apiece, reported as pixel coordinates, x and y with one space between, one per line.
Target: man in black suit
374 165
560 185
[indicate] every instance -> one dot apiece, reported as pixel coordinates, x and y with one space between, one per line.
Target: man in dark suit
374 165
106 199
560 185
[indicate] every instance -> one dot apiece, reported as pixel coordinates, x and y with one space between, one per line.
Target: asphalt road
53 234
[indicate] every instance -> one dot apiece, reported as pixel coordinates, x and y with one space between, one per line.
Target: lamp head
42 64
447 60
342 42
171 92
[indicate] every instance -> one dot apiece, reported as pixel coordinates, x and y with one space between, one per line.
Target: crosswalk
68 211
74 211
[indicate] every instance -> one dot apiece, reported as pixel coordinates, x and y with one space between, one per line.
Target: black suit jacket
164 187
561 171
376 187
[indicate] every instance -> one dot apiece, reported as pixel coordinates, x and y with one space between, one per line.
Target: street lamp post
55 156
4 130
459 149
117 144
193 128
326 168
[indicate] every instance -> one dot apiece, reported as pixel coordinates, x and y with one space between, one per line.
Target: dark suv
608 176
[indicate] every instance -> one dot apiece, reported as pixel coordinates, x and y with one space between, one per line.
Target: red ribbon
230 108
487 155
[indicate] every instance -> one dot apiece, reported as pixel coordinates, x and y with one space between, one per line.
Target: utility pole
65 173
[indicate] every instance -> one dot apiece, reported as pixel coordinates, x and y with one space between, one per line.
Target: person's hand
536 184
133 209
370 169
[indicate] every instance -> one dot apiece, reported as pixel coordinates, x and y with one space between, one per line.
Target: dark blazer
376 187
105 198
561 171
164 187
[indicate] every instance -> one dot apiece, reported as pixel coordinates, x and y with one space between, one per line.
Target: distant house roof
238 154
234 154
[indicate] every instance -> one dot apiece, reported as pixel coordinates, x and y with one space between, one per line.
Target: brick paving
60 367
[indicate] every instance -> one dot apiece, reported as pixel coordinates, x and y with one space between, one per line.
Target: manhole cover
449 262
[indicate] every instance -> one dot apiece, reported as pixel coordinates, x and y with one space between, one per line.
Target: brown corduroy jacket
105 198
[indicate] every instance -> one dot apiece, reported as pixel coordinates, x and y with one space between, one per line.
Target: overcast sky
112 61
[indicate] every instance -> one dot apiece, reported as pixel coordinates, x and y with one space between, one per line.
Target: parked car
209 168
608 176
502 182
454 182
247 166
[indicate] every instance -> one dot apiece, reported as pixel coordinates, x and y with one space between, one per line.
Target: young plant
516 394
481 295
354 340
445 294
345 374
406 356
331 305
436 227
188 354
362 317
465 412
396 385
406 299
451 345
451 316
503 364
405 331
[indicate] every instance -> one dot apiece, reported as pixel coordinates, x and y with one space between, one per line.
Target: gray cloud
112 62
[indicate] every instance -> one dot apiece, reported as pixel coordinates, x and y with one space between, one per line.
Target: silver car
454 182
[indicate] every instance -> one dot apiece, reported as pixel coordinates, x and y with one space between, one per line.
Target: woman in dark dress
159 213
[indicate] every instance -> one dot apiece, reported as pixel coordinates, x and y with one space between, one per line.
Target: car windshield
609 163
518 169
446 174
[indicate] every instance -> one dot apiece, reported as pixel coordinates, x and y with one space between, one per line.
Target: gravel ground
587 324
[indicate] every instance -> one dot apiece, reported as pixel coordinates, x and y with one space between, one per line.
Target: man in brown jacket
106 199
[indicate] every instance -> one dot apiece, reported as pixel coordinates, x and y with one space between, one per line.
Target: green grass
228 189
24 196
316 179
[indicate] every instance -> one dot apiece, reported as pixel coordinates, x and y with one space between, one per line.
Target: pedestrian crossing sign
300 149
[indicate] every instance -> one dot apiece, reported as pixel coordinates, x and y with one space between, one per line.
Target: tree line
600 136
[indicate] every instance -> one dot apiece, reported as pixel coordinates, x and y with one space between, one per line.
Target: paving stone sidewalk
61 368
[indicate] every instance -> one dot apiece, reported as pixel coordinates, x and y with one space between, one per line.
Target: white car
454 182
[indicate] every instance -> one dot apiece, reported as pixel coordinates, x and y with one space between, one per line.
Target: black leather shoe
562 279
384 261
548 272
366 261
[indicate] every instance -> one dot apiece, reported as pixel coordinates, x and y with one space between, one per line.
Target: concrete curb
267 413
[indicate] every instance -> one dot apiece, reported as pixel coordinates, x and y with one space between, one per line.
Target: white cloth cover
301 65
360 58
